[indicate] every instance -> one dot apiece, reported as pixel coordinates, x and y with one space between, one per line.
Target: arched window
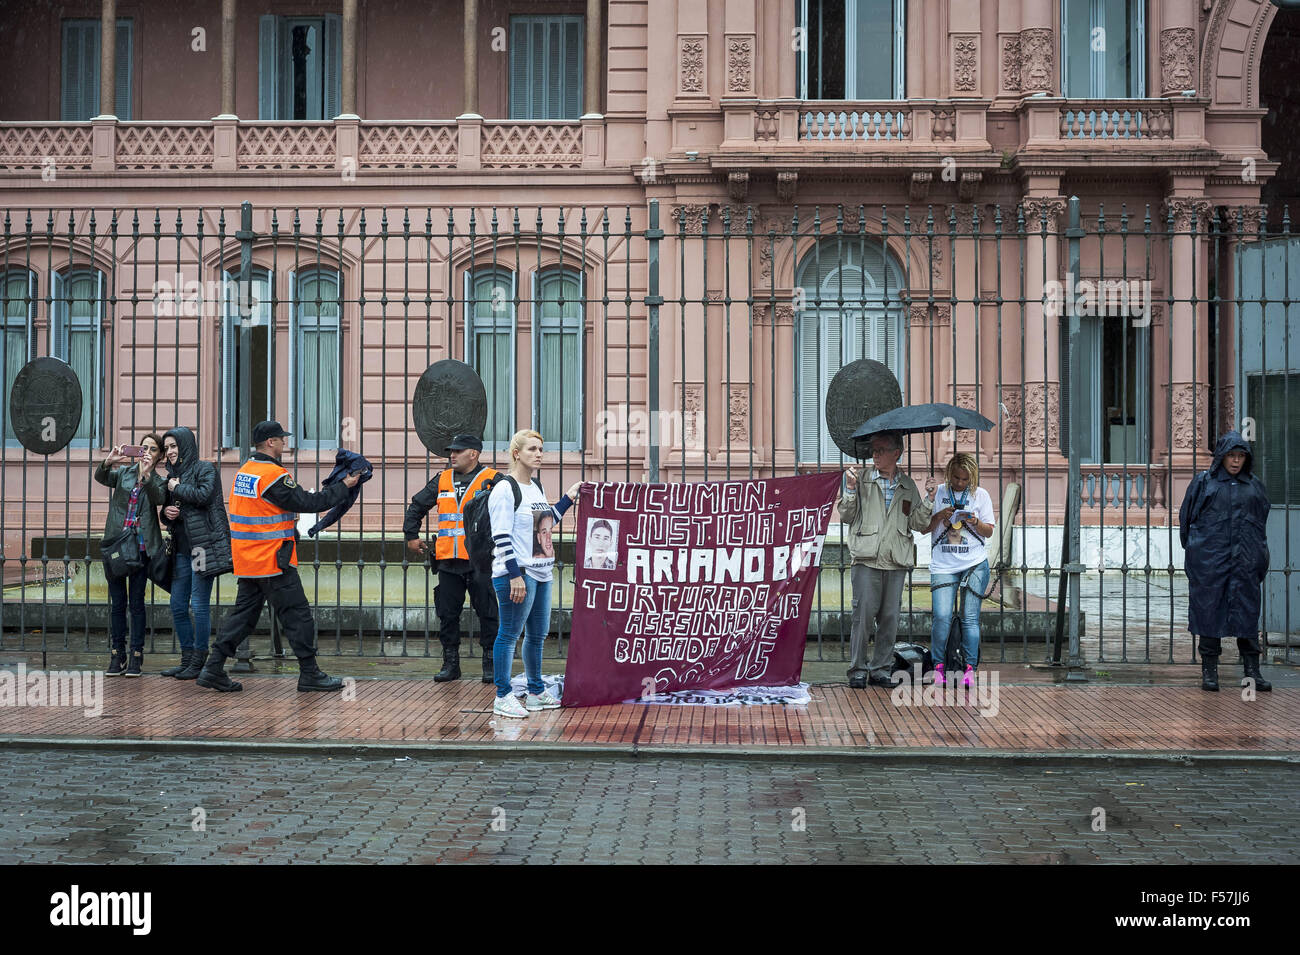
315 372
851 308
490 346
17 343
76 336
557 358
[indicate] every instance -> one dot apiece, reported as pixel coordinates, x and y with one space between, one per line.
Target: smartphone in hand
962 516
133 450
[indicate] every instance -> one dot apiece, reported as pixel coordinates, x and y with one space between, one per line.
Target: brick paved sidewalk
1025 715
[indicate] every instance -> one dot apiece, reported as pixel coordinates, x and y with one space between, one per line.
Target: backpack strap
519 494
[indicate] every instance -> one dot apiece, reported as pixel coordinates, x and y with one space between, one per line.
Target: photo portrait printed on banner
602 544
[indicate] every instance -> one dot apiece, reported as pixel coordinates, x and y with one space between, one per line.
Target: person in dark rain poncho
1221 524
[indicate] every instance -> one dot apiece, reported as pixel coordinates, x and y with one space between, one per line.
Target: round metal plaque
449 400
45 405
860 390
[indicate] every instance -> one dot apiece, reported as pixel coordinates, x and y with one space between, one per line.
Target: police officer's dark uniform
263 513
450 492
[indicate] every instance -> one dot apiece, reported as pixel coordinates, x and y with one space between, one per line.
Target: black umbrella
932 417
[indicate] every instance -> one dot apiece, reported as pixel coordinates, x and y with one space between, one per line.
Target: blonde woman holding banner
522 558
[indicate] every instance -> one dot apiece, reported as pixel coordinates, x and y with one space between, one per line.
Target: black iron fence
1111 346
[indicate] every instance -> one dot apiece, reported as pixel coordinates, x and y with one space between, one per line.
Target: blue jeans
943 599
190 590
533 617
118 600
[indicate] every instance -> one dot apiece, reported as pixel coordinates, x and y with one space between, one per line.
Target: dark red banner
694 586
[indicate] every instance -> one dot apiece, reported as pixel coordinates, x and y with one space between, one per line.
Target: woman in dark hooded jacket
196 514
1222 527
133 505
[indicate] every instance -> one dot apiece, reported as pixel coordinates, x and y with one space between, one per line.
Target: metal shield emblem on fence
449 400
45 405
860 390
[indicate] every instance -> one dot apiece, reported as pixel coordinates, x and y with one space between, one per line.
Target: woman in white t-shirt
522 557
959 533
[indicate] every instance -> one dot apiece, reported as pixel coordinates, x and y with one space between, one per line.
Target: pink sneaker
969 679
939 677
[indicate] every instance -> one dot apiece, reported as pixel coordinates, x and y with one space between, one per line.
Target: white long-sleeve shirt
521 537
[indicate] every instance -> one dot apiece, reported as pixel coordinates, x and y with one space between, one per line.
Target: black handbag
122 554
161 565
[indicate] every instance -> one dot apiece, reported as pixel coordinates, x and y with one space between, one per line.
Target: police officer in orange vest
450 491
263 512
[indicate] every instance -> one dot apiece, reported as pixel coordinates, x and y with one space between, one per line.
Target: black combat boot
213 675
116 662
1250 664
313 678
450 665
186 655
1210 674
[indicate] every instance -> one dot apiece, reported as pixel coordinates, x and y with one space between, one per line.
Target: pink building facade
359 130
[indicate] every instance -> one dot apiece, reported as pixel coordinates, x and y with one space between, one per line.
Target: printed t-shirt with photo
947 556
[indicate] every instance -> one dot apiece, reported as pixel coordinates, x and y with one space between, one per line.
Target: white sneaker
508 705
542 701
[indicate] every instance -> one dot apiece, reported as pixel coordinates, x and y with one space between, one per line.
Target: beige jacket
884 540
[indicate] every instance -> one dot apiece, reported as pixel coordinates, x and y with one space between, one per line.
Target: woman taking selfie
131 535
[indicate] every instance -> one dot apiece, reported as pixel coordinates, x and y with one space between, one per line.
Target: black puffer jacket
1222 526
203 507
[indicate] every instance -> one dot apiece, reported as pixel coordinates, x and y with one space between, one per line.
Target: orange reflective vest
451 515
257 527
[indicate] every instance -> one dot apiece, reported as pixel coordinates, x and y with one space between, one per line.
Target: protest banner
702 586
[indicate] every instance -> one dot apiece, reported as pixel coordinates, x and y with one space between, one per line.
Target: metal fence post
653 300
244 300
1073 567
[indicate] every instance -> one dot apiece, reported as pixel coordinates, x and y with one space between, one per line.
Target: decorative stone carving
852 223
737 186
1011 419
1037 206
1227 408
1185 211
693 215
691 63
1037 61
693 406
738 416
1011 64
936 264
740 64
1177 60
785 186
1188 405
965 62
969 182
922 313
964 217
1246 221
965 398
1035 394
920 186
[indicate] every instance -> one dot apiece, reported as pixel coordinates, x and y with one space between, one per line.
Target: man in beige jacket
880 514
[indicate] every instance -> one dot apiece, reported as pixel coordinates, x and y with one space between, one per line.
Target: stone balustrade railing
344 146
